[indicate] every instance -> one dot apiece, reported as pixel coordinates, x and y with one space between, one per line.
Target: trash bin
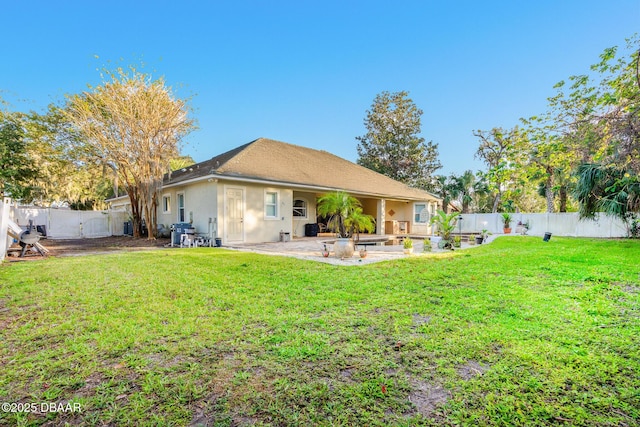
547 237
128 228
218 242
311 230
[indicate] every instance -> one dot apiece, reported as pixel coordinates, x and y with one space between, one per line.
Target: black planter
479 240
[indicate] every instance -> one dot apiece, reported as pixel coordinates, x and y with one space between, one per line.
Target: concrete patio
310 248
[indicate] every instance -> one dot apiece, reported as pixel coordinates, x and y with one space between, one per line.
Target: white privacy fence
69 224
559 224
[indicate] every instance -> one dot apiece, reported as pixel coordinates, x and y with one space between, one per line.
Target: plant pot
506 230
435 239
407 251
363 253
325 254
343 248
479 240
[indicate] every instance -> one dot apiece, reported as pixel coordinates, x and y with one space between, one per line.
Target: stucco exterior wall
404 211
257 226
200 204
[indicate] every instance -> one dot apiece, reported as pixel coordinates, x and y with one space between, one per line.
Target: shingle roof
274 161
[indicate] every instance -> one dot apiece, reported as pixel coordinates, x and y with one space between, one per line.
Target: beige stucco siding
257 225
200 203
404 211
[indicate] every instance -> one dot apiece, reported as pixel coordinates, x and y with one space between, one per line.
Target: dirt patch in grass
75 247
471 369
426 397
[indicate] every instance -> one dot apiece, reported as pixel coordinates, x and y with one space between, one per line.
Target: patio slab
309 248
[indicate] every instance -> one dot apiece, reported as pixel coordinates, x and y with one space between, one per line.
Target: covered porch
392 216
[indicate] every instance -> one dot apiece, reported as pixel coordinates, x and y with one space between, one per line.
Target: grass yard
518 332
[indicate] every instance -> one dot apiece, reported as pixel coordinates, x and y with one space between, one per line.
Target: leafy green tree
463 189
444 187
597 119
16 166
180 162
68 172
504 152
392 145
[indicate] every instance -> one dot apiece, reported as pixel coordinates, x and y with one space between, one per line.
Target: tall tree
134 124
611 182
465 185
503 152
446 188
392 145
16 166
67 172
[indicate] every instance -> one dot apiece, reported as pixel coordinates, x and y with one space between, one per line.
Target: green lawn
518 332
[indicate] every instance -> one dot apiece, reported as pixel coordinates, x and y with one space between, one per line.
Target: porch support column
380 216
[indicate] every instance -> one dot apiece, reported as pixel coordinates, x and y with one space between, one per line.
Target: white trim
306 208
225 213
167 204
413 213
276 216
184 206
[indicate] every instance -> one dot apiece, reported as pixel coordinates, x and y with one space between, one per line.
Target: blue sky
306 72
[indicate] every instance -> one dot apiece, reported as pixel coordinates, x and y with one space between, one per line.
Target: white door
235 214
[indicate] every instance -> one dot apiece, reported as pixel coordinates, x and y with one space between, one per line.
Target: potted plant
363 252
325 251
445 224
407 245
346 219
426 247
506 220
457 241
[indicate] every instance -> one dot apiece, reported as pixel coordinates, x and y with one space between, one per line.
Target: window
299 208
166 204
420 213
181 216
271 204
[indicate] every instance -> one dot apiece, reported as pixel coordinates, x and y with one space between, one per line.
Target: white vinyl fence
559 224
69 224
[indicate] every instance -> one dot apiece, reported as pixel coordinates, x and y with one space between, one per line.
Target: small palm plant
345 214
445 224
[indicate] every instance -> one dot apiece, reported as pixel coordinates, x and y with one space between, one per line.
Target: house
256 191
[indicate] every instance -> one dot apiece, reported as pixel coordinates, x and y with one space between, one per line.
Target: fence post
5 205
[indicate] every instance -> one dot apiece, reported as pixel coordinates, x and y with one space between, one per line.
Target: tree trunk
136 219
548 189
548 194
563 198
496 202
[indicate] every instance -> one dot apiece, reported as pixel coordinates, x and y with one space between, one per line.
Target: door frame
226 211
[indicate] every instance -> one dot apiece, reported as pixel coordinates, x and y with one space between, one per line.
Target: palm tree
345 214
359 222
610 189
